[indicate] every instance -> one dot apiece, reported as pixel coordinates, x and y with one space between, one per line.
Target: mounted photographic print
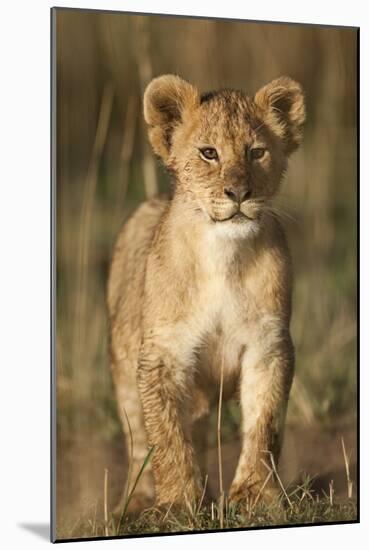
204 228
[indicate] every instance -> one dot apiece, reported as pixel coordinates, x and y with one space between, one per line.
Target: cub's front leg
162 385
266 376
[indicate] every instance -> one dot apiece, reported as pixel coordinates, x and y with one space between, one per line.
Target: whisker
278 213
286 214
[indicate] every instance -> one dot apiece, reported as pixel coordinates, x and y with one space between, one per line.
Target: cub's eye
209 153
256 153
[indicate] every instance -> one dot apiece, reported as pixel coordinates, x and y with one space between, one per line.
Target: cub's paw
248 495
188 500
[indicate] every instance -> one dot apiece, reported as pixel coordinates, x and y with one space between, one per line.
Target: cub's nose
237 194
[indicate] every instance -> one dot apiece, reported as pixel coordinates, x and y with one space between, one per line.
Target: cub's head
228 151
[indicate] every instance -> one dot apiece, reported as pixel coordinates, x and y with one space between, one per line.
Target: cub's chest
224 290
221 301
225 319
225 313
220 309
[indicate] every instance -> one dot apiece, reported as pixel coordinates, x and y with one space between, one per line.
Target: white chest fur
225 307
221 317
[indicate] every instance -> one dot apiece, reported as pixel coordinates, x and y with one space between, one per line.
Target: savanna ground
104 169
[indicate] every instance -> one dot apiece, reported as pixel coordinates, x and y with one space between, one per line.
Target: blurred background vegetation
105 169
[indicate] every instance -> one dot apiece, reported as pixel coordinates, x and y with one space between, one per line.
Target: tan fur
191 286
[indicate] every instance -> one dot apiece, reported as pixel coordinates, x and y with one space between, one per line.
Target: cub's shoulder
143 220
132 247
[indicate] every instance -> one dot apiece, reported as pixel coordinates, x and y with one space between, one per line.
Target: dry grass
298 505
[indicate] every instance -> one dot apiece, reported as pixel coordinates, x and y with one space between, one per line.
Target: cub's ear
282 102
167 100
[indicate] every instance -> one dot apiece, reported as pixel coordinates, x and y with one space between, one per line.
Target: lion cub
200 286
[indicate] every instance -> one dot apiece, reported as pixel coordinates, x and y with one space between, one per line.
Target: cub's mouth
237 217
